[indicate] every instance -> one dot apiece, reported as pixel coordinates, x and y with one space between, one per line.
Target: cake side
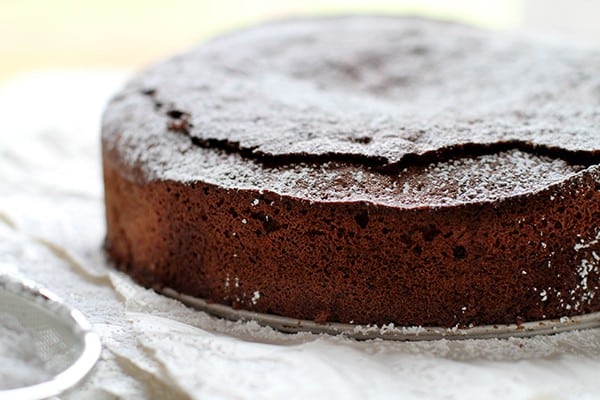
525 258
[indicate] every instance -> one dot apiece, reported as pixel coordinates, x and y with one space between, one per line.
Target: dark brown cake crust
363 170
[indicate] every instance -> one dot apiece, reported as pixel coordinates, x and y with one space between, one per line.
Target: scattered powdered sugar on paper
20 365
325 366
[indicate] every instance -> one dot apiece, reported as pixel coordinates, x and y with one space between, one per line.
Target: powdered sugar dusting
399 88
585 245
373 89
588 271
483 178
255 297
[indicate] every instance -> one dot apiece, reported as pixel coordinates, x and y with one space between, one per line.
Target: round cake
364 170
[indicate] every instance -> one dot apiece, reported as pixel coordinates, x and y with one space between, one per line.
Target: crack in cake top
382 95
380 89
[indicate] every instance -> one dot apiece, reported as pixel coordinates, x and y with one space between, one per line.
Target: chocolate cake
366 170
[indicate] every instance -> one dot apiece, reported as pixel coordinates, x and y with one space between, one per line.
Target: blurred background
126 34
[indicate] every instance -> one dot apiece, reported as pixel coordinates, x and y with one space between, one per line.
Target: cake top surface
379 95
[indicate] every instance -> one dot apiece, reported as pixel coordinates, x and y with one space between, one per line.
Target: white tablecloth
51 230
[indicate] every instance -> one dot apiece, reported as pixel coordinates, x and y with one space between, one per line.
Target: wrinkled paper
51 230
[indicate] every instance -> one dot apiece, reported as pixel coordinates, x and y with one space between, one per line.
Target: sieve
62 339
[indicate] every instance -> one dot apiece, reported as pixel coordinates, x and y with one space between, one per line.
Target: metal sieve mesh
60 338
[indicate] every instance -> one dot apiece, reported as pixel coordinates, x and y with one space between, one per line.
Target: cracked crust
379 90
363 169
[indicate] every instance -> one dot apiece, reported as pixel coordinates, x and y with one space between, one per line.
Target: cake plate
390 331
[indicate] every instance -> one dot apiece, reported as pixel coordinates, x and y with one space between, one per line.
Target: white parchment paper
51 230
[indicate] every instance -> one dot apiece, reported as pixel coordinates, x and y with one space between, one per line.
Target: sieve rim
91 345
